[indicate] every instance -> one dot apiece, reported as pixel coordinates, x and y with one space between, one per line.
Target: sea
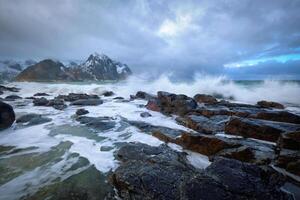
48 160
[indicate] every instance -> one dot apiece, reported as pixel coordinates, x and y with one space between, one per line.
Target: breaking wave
287 92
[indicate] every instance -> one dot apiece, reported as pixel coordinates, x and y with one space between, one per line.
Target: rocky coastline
252 150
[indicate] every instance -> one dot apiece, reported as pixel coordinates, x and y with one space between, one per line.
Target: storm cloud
183 37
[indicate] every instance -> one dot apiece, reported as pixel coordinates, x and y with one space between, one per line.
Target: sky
244 39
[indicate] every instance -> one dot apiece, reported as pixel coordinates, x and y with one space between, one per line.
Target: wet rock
40 94
204 124
203 98
77 96
145 114
142 95
98 123
270 104
106 148
32 119
154 105
58 104
10 89
169 103
40 101
259 129
108 93
289 160
160 173
243 153
119 98
82 111
87 102
204 144
12 98
290 140
7 115
280 116
248 180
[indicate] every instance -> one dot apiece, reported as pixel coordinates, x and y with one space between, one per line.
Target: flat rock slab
87 102
149 172
259 129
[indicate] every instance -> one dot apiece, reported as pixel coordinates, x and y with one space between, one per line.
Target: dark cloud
157 36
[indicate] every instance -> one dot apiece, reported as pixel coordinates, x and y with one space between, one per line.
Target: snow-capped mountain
9 69
101 67
97 67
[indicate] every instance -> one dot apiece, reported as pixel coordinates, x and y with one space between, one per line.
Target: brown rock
203 98
270 104
204 144
290 140
258 129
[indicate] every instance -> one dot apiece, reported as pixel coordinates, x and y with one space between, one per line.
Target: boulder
77 96
12 98
258 129
10 89
270 104
82 111
32 119
98 123
87 102
40 101
108 93
169 103
142 95
145 114
7 115
203 98
40 94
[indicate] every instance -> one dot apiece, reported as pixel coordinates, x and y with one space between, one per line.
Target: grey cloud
212 32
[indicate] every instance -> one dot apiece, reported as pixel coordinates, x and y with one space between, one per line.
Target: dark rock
203 98
40 101
281 116
145 114
108 93
82 111
270 104
169 103
33 119
259 129
119 98
290 140
160 173
7 115
289 160
154 105
77 96
98 123
10 89
204 124
243 153
56 103
12 98
87 102
41 94
142 95
106 148
247 179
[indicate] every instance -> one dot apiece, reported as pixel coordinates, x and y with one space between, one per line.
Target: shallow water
36 162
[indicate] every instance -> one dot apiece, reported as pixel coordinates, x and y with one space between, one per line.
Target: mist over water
287 92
